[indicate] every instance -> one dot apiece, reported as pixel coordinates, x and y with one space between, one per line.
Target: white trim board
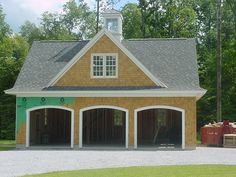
27 143
118 44
157 107
108 107
104 66
117 93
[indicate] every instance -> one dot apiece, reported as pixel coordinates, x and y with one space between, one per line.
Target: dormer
112 21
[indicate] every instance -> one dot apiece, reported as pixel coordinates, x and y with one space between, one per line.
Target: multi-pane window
97 65
110 65
104 65
112 24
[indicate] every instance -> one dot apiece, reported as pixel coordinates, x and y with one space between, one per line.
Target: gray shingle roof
173 61
111 11
45 60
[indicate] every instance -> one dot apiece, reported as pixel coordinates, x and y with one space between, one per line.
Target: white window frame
110 19
104 65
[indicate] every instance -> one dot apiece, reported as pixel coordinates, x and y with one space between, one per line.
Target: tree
79 20
76 22
52 28
16 49
143 5
167 18
228 61
232 5
132 21
9 69
206 11
112 3
13 50
30 32
4 27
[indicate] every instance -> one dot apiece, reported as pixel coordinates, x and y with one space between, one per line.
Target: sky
18 11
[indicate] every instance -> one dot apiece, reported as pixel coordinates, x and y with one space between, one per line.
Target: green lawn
6 145
158 171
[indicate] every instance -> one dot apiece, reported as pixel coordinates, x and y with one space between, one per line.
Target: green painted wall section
24 103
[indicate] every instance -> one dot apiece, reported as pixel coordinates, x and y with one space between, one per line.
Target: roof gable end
118 44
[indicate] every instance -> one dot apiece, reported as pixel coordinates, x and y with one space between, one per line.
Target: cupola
112 21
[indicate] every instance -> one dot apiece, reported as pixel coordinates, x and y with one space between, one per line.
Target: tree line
146 19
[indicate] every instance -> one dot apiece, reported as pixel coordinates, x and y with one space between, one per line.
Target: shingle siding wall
128 73
186 103
20 136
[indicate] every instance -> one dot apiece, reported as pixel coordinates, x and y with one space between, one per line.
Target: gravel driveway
17 163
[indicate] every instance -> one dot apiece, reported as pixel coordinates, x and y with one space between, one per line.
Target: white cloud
18 11
42 5
91 3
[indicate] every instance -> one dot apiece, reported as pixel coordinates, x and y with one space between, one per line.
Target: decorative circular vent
43 99
62 100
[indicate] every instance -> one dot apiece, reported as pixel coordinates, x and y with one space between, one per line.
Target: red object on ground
204 135
214 136
211 135
232 130
226 123
226 129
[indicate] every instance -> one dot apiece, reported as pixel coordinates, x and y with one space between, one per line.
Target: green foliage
13 50
4 27
15 47
167 18
207 61
132 21
30 32
9 69
6 145
52 27
76 22
7 142
79 20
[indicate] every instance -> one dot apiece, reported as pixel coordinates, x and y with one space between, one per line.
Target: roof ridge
51 41
157 39
111 10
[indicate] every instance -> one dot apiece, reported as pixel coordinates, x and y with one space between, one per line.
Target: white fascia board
139 93
118 44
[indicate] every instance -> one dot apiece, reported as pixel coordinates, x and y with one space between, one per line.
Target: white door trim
108 107
158 107
43 107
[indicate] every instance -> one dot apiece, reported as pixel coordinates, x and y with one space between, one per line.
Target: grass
6 145
198 138
157 171
7 142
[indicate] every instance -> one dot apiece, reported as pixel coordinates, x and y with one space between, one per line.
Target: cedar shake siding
128 73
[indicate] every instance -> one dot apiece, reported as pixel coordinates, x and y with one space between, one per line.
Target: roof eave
121 93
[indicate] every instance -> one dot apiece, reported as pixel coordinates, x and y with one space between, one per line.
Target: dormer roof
111 11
